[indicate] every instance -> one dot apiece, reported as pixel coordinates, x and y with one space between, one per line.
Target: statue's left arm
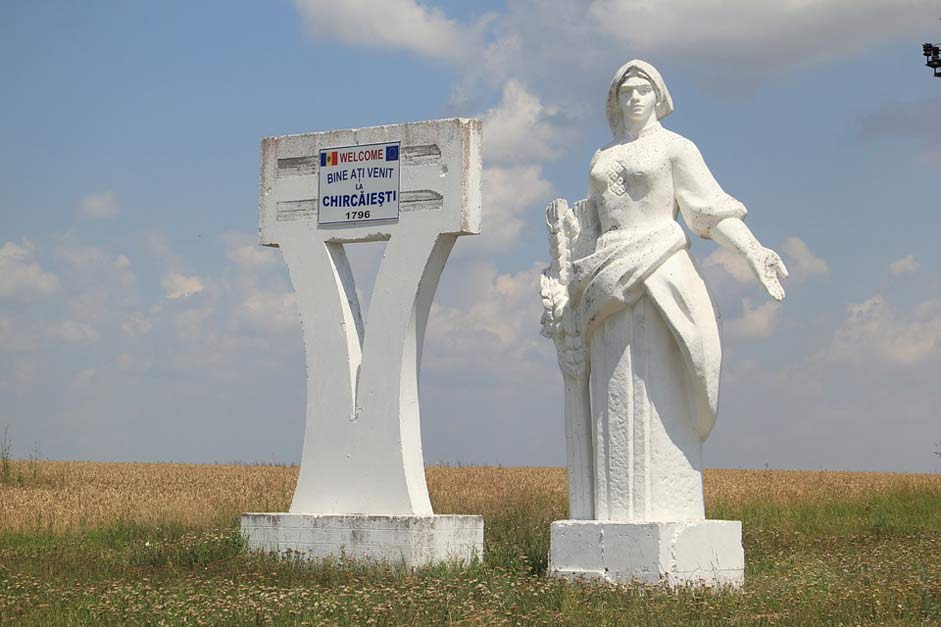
712 214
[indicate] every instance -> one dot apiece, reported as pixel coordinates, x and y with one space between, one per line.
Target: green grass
869 559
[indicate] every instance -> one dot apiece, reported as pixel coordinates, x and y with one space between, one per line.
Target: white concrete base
705 552
409 540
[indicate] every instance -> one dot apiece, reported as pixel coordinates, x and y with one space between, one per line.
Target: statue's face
637 98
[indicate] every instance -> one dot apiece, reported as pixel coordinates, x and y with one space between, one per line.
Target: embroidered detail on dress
616 182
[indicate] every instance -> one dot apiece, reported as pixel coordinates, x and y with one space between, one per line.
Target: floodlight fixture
932 54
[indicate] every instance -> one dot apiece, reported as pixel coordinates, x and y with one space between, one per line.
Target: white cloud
265 302
397 24
756 322
801 261
565 46
904 265
89 264
20 275
137 325
78 255
520 128
496 329
194 326
245 252
561 49
103 205
156 244
176 285
874 329
737 371
550 43
92 303
732 263
270 311
729 33
509 193
205 342
73 332
122 266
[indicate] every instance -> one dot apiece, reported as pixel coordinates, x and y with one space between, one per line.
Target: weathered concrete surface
361 490
362 446
408 540
702 552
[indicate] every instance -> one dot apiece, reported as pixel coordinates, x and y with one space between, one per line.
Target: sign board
359 183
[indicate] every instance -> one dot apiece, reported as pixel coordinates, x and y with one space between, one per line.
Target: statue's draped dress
650 327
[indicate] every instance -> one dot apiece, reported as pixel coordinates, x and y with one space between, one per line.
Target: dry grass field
62 497
95 543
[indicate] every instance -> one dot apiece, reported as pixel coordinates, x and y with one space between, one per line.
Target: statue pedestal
408 540
698 553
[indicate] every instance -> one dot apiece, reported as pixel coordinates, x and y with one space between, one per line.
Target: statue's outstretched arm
713 214
732 234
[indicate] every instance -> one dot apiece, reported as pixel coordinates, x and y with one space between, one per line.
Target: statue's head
637 90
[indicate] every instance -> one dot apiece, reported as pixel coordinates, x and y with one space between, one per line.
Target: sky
140 320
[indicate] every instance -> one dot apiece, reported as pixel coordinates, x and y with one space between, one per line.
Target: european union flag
392 153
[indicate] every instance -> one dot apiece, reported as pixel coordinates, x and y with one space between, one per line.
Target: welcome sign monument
361 490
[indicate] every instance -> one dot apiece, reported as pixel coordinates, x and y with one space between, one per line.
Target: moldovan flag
328 158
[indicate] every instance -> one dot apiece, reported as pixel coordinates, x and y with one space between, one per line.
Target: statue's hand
555 210
769 269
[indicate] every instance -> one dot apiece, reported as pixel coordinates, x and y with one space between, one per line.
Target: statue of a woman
632 320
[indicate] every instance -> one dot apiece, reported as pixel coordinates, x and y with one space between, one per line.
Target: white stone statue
632 320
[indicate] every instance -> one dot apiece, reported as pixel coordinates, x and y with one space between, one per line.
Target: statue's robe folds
654 350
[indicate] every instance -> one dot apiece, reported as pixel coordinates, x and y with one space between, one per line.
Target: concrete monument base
698 553
409 540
